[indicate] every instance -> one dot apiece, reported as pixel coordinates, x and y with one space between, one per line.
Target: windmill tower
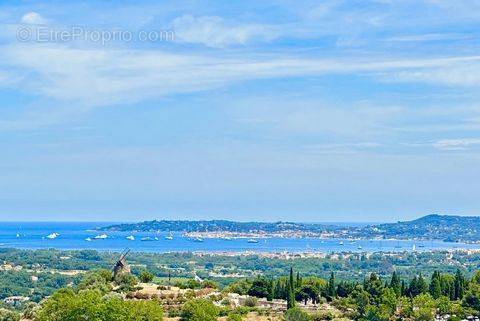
121 266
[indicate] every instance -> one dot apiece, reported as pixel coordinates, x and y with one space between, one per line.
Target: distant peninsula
450 228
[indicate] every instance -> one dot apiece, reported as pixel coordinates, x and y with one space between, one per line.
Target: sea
81 235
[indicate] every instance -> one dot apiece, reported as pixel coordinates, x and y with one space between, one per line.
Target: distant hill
431 227
217 225
441 227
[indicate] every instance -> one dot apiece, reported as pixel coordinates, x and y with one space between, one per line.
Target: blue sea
73 235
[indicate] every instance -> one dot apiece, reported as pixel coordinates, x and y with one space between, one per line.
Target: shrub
7 315
199 310
234 317
146 277
250 302
91 305
297 314
126 282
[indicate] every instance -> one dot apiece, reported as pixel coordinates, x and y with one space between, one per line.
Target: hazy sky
253 110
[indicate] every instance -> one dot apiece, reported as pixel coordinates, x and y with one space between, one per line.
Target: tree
417 286
7 315
209 284
291 291
146 276
362 300
396 284
472 298
444 305
199 310
260 288
459 285
308 291
435 288
388 302
291 281
331 289
96 280
423 307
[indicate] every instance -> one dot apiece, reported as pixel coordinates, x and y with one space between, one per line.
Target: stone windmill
121 266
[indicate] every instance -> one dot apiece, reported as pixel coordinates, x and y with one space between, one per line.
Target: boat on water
18 235
340 243
359 247
169 236
130 238
88 239
197 239
52 236
252 241
148 239
101 237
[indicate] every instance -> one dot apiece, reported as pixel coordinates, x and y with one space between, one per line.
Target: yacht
252 241
340 243
198 239
130 238
88 239
52 236
101 237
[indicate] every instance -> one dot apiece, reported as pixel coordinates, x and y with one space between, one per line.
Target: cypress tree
291 282
459 285
422 284
299 280
395 284
331 289
291 291
436 285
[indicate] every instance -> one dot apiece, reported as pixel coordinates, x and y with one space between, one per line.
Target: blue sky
254 110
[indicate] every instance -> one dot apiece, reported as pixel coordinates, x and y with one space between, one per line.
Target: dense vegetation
440 227
100 297
46 265
374 298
